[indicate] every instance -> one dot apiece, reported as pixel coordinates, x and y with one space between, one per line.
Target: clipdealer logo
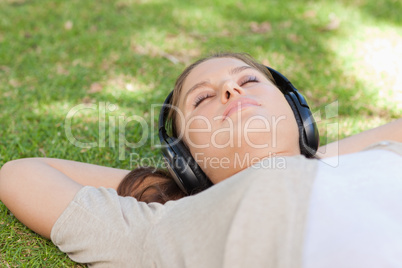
237 161
109 122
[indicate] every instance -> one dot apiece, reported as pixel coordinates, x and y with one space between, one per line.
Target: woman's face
232 116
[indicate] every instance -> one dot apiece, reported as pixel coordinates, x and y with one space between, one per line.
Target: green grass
55 55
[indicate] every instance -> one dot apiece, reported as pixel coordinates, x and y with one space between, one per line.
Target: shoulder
98 224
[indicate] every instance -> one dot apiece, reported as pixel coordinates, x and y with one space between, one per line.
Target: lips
239 104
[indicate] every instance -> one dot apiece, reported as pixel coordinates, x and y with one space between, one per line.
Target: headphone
185 170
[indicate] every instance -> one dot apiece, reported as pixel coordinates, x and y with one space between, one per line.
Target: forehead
210 69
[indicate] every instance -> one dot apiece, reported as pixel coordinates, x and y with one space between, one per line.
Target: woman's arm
391 131
37 190
86 174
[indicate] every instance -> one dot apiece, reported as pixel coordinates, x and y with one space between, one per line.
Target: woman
255 218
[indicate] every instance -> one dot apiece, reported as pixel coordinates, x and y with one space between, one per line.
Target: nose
230 89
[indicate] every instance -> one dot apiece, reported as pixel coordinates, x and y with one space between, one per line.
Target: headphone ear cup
308 132
188 175
198 181
182 166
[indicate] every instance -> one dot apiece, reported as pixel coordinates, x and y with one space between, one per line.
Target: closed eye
249 79
200 99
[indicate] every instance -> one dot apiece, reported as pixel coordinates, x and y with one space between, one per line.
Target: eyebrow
233 71
239 69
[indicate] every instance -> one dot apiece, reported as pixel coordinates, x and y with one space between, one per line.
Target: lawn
78 79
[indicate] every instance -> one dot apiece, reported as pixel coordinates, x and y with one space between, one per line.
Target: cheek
285 128
276 120
284 116
277 106
198 130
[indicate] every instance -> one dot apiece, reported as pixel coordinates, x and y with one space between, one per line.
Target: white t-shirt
355 213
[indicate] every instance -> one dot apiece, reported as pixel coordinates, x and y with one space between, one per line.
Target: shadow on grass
388 11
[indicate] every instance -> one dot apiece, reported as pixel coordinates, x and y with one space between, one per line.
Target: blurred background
91 67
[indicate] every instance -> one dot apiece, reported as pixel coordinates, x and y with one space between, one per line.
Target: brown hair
149 184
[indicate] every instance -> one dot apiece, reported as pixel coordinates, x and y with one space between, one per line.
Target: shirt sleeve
100 227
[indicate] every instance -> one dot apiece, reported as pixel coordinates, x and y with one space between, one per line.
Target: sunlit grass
372 56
